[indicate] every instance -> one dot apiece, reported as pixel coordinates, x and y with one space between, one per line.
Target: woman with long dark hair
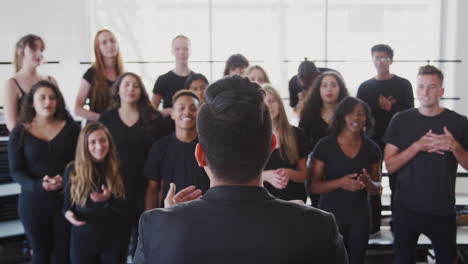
134 126
98 79
317 108
40 147
28 57
345 169
286 170
94 201
316 111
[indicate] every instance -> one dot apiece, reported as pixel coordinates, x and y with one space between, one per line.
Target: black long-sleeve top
110 213
31 158
133 145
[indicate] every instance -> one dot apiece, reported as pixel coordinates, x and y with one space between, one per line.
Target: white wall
63 25
454 44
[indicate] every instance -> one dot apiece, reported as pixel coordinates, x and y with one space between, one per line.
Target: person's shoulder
459 118
326 140
107 115
164 142
166 76
17 131
368 83
171 213
89 72
303 213
71 124
400 79
410 113
371 143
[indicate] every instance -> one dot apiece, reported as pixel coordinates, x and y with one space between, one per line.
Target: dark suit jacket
239 224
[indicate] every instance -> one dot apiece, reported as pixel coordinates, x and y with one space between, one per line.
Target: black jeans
408 225
91 245
355 232
47 230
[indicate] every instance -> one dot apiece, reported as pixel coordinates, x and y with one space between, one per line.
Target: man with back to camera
237 220
425 146
386 94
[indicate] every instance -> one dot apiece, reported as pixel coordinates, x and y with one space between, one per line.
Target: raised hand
188 194
99 197
350 182
70 216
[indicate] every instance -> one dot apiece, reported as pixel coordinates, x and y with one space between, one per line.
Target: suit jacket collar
237 192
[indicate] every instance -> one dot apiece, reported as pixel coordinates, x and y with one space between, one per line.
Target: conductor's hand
188 194
70 216
100 197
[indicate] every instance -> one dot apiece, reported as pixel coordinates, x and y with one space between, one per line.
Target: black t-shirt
344 204
294 190
397 87
89 77
427 182
317 131
31 158
133 145
171 160
167 85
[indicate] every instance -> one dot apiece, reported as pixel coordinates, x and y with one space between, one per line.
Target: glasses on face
382 59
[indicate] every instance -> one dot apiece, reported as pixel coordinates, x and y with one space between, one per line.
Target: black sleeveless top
23 93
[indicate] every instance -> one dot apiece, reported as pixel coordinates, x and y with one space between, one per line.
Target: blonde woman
95 202
286 170
98 79
28 57
257 74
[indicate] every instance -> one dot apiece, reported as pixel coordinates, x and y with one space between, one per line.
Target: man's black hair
384 48
234 129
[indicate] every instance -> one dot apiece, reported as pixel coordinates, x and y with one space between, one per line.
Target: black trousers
47 230
440 229
97 244
355 232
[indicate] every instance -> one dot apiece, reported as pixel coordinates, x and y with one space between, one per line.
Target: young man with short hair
424 146
171 158
174 80
386 94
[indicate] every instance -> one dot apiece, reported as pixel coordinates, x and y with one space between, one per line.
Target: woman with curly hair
345 169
